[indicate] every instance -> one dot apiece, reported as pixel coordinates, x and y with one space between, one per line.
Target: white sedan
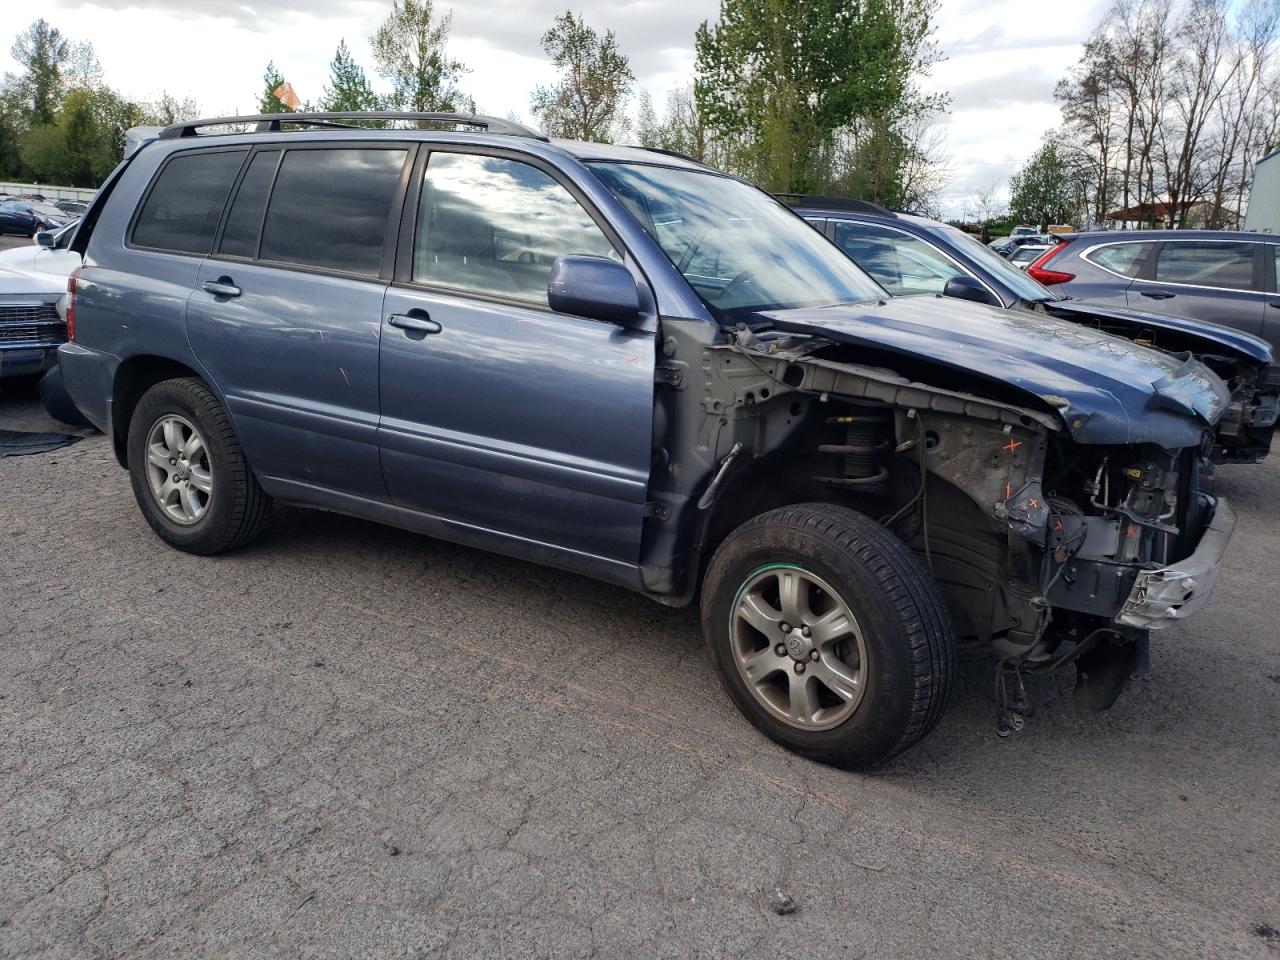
48 253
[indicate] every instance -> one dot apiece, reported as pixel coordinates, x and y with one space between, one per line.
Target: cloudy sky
1003 57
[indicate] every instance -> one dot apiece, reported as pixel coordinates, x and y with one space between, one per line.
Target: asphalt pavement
349 741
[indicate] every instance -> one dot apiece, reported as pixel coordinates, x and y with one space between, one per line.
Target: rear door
1215 280
520 428
286 313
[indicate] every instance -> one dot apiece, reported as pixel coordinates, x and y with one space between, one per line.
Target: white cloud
1002 58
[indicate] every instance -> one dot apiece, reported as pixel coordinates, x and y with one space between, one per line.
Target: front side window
903 264
495 226
1126 259
330 208
1210 263
182 210
740 250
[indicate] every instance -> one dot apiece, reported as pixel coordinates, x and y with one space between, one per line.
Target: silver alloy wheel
798 647
178 469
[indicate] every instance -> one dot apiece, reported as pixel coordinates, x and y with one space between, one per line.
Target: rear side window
182 210
240 235
329 208
1207 264
1125 259
902 263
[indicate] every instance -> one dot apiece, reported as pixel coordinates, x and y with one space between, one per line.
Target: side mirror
967 288
594 287
44 238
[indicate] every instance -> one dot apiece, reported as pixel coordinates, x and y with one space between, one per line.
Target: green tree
588 101
42 51
168 109
680 128
1045 191
85 142
271 80
809 93
348 88
410 50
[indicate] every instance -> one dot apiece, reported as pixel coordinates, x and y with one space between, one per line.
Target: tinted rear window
240 235
1208 263
329 208
182 210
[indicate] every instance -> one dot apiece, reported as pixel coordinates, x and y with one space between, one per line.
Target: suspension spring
866 438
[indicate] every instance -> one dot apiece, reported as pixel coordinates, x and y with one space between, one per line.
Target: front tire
828 634
188 472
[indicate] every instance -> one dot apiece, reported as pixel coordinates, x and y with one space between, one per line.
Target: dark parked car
914 255
628 365
1226 278
29 217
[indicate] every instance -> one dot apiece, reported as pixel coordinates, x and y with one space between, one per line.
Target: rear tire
188 472
866 671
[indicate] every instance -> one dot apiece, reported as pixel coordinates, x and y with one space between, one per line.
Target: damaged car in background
625 364
910 255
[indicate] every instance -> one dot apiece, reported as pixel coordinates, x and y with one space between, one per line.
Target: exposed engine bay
1049 551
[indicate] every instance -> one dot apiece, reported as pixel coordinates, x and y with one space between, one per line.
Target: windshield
740 250
48 210
1013 278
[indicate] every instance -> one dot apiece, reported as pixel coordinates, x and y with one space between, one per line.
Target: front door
525 430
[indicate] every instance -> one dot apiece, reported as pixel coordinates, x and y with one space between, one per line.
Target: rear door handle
1158 294
222 287
414 322
1275 304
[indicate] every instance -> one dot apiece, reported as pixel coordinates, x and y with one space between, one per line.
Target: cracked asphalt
348 741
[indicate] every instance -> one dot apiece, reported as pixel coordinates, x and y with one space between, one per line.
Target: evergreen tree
42 51
348 89
267 102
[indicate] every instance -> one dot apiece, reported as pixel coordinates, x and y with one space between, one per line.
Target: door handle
222 287
415 321
1274 304
1158 294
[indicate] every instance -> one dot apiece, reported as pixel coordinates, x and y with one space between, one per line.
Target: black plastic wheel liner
21 443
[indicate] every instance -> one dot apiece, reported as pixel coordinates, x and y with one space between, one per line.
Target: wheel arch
134 377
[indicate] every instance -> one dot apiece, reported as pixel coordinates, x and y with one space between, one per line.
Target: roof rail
679 155
270 122
834 203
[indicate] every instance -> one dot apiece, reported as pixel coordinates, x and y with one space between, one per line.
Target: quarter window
495 226
1125 259
902 263
330 208
1207 264
182 210
240 235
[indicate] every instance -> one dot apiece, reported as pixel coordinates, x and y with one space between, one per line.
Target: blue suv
625 364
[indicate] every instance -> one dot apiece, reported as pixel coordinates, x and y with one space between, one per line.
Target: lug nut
785 627
780 650
805 631
175 478
813 655
173 461
799 668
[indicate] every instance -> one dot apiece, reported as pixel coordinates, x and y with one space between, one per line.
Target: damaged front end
1055 540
